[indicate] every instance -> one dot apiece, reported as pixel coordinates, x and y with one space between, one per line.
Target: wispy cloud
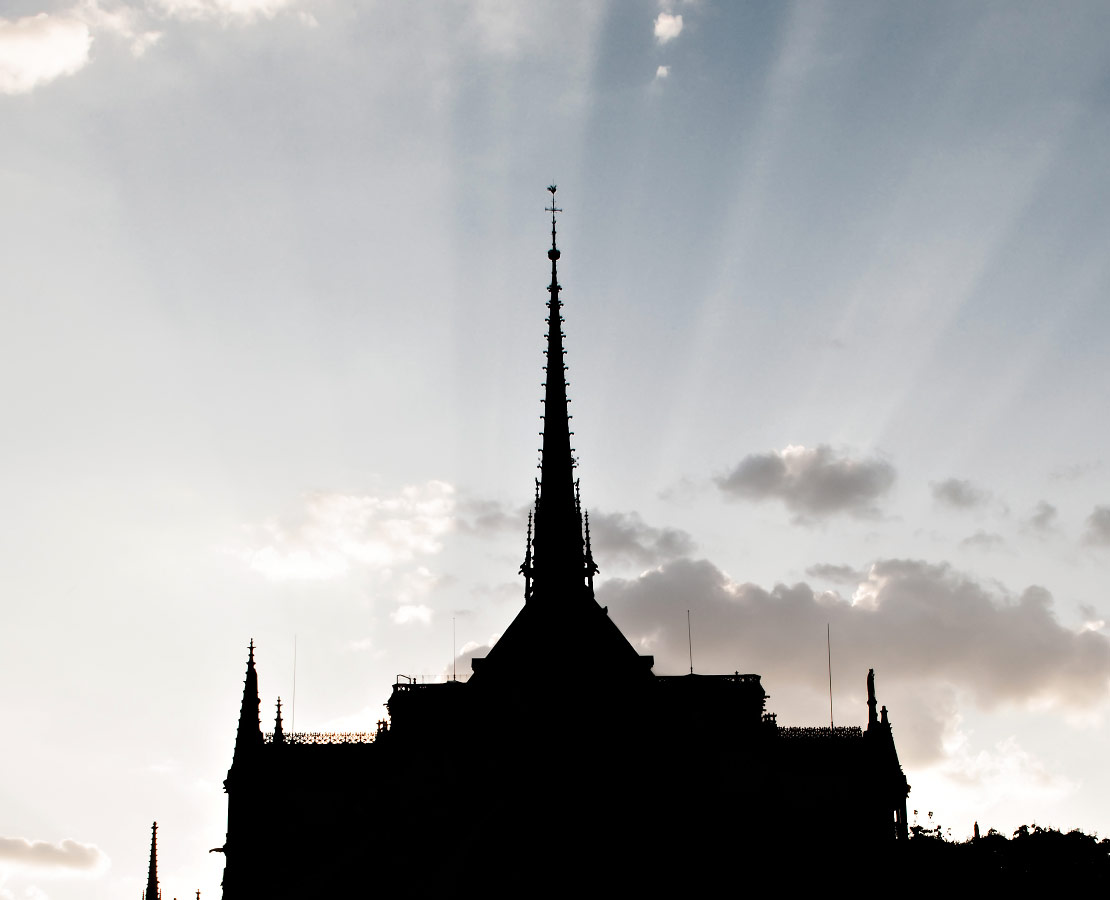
958 493
1043 517
223 11
67 855
983 540
38 49
1098 527
836 574
408 613
340 532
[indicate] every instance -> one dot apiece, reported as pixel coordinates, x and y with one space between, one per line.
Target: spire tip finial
553 253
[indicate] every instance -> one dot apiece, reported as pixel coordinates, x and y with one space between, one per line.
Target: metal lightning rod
828 644
690 641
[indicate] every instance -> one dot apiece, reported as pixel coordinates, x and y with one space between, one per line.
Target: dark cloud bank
932 634
912 621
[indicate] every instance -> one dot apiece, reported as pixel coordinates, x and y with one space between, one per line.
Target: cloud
226 12
662 72
1098 527
340 532
475 516
31 892
983 540
1075 471
1044 517
913 621
123 21
959 494
625 539
617 538
667 27
408 612
836 574
37 49
65 856
811 481
468 651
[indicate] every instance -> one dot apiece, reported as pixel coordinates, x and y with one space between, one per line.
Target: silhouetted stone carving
531 775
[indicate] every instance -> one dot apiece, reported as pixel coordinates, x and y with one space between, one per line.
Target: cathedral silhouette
586 774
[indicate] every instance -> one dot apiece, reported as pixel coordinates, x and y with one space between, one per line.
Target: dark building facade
538 774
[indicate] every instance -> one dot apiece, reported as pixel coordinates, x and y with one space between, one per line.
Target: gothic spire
152 892
557 547
249 736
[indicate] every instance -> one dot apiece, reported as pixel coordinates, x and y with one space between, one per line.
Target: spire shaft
557 547
152 892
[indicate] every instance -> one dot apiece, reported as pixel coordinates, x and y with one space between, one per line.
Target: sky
273 277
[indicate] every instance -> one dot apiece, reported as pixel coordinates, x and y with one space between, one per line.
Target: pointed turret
249 737
279 732
557 548
152 892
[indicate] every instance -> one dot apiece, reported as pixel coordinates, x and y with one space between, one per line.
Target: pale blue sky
273 274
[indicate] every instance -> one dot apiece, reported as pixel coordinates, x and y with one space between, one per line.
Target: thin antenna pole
690 641
828 644
293 712
453 648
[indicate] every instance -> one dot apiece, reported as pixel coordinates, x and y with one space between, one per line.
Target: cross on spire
553 209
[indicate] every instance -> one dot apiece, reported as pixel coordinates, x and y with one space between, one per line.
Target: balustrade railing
817 731
324 737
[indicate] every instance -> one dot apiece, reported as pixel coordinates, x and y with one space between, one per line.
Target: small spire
526 566
152 892
279 732
591 567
